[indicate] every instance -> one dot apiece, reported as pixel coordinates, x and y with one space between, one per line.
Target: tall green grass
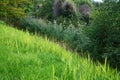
28 57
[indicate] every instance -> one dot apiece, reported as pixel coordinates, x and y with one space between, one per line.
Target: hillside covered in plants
87 29
29 57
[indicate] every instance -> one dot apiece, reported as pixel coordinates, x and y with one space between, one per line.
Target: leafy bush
105 34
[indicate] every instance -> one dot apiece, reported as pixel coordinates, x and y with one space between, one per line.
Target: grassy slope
27 57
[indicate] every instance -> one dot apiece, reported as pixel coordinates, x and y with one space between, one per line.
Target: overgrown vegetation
27 57
94 29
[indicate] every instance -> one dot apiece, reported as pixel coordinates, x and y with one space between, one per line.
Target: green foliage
27 57
73 37
46 10
12 10
105 34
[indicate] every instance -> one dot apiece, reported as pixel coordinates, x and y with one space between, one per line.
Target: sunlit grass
29 57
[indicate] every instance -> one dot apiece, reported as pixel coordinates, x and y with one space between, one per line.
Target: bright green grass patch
27 57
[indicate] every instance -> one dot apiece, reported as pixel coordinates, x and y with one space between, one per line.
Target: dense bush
105 34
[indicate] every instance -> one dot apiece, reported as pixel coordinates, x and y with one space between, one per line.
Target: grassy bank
28 57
